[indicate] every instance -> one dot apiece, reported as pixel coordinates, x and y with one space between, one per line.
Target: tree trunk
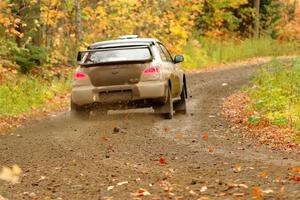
257 18
38 35
78 22
20 15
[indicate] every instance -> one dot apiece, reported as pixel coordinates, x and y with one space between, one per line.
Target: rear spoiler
116 62
80 54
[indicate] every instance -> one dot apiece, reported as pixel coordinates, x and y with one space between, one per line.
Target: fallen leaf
224 84
171 194
122 183
203 189
296 170
42 178
257 193
179 136
204 198
33 196
296 178
282 189
110 188
237 168
278 179
138 179
238 185
243 186
11 175
263 174
141 192
16 170
104 138
166 186
238 194
269 191
162 160
166 129
192 192
205 136
210 149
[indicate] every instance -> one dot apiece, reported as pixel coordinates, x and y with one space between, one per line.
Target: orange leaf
263 174
296 170
257 193
141 192
237 168
211 149
166 129
179 136
205 136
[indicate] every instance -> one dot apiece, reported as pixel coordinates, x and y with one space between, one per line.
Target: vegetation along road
140 155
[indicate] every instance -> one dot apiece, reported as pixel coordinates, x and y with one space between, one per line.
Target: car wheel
78 111
180 106
167 108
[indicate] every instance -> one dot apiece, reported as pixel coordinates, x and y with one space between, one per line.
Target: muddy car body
138 72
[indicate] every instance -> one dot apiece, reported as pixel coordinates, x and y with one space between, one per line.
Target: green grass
23 93
276 93
205 52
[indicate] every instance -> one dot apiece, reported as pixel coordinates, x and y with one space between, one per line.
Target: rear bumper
82 95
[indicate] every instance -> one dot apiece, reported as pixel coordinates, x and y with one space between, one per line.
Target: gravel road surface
193 156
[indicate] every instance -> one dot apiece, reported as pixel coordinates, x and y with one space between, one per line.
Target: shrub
28 57
276 93
23 93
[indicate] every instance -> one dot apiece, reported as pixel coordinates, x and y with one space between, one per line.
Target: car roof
123 42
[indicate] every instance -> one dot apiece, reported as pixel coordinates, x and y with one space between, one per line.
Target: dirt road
63 158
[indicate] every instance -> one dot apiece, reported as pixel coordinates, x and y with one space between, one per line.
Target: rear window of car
118 55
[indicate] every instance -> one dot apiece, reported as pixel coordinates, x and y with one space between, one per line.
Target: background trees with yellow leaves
49 32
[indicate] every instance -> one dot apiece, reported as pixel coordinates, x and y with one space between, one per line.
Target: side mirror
178 59
79 56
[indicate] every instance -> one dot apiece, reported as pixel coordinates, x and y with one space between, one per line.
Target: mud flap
180 106
161 109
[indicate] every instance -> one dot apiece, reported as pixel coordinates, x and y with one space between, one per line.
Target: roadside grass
275 94
20 94
207 52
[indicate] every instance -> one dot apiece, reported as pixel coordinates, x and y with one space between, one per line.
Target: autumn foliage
39 32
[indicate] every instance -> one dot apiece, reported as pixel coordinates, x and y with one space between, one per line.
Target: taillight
151 74
79 75
151 70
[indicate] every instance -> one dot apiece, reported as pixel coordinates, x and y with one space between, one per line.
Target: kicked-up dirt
132 155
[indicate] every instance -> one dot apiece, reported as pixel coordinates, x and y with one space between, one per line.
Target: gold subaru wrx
129 72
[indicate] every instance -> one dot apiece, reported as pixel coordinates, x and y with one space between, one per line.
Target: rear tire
167 108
